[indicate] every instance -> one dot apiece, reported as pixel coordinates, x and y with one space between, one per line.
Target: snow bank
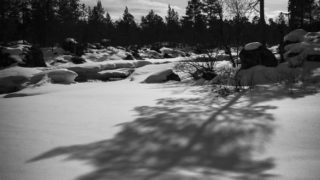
115 74
150 54
15 78
172 52
59 76
110 53
260 75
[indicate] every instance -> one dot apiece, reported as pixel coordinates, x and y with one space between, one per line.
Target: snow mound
16 52
110 53
307 45
260 75
172 52
295 36
162 76
15 78
59 76
115 74
150 54
252 46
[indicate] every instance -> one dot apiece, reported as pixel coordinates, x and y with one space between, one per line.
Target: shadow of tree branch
183 135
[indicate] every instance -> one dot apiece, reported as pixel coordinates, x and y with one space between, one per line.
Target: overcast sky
141 7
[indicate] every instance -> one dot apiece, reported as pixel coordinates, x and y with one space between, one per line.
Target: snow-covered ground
175 130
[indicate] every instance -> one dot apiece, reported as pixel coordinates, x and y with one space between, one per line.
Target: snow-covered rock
252 46
15 78
13 54
59 76
306 45
255 54
150 54
162 76
172 52
295 36
115 74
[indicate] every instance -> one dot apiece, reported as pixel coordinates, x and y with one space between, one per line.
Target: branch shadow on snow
186 138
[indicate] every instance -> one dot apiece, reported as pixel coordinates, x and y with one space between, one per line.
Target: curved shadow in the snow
185 138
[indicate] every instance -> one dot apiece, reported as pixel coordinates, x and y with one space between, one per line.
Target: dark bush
73 46
34 58
5 59
78 60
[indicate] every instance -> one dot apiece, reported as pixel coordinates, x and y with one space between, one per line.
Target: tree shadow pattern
186 138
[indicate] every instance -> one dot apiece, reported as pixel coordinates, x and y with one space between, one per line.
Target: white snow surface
252 46
68 117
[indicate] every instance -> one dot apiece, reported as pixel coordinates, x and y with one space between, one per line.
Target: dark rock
129 57
173 77
91 46
208 75
313 58
162 76
259 56
98 45
6 59
166 55
78 60
34 58
105 42
73 46
156 47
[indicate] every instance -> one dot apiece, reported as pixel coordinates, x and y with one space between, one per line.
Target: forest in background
211 23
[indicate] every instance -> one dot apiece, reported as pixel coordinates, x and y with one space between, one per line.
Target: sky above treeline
141 8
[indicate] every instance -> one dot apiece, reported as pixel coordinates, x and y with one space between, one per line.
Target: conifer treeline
47 22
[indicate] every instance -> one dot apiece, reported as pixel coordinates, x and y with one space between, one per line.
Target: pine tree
127 28
195 20
300 12
152 25
97 14
172 24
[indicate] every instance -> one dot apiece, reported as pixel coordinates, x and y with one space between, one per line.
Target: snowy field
126 130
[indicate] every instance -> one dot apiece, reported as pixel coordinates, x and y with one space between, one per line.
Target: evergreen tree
153 27
172 25
127 28
300 13
195 20
97 14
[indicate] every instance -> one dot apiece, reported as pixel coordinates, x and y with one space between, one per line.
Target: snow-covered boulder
252 46
295 36
162 76
172 52
86 71
60 76
306 47
71 45
254 54
13 54
150 54
15 78
115 74
259 75
141 63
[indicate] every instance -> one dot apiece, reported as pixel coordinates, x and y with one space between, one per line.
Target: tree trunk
262 24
